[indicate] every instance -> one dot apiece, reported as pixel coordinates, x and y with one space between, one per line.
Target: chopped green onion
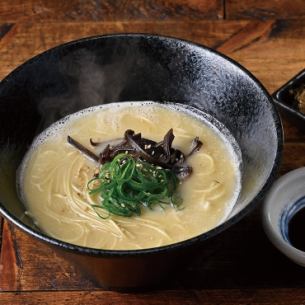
126 185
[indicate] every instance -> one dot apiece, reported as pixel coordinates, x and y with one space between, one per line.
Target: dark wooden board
172 297
272 50
238 267
109 10
261 9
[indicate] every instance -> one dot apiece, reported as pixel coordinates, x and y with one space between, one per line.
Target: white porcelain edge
273 210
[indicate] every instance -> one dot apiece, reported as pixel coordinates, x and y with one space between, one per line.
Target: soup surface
53 178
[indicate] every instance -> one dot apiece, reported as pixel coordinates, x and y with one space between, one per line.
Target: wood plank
272 50
1 234
25 40
275 52
292 132
10 260
293 156
261 9
221 274
229 36
272 68
294 296
109 10
26 263
249 42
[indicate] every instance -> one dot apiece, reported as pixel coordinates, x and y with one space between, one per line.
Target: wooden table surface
241 267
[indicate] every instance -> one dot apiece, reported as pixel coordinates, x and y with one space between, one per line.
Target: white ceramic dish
284 200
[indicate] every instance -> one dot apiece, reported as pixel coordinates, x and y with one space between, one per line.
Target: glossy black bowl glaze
284 98
134 67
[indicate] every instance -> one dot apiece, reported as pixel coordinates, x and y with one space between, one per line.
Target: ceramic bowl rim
185 243
276 236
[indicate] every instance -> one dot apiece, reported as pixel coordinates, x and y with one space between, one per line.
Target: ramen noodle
54 175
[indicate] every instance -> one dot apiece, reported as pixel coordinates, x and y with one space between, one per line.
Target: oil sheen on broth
53 179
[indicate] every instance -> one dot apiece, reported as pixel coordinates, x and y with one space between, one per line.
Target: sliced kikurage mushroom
161 153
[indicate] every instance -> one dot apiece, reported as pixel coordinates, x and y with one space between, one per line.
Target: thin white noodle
77 201
179 226
59 195
146 223
146 120
85 238
181 131
77 237
114 243
216 196
38 186
129 234
117 227
212 187
77 204
210 168
183 136
134 246
162 232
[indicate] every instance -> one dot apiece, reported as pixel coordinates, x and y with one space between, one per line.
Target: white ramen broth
53 178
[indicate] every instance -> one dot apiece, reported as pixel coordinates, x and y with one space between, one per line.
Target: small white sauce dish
285 198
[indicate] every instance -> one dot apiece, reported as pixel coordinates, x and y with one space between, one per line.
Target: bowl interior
116 68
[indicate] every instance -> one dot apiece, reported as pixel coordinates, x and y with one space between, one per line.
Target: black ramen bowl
135 67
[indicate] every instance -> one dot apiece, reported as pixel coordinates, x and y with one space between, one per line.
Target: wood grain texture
249 34
261 9
207 297
26 40
238 267
273 51
27 264
109 10
292 133
10 260
4 29
293 156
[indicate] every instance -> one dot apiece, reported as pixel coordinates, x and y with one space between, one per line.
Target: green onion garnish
128 184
